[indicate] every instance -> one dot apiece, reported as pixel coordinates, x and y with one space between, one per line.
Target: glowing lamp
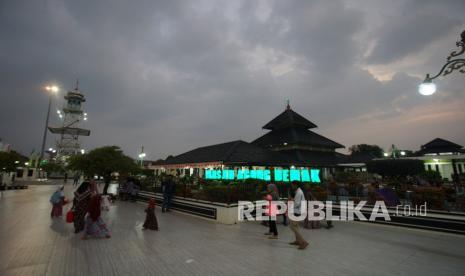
427 88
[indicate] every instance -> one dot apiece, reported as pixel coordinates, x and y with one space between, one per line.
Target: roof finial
288 106
77 84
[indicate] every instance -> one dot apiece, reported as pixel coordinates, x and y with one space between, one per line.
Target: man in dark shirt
168 187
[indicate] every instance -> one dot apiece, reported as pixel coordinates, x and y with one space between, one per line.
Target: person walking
129 189
76 179
272 195
123 188
94 224
150 218
294 224
80 204
135 190
58 200
169 188
285 218
329 222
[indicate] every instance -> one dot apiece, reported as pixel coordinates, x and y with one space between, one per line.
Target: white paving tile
33 244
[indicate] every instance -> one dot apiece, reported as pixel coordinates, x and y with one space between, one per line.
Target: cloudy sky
174 75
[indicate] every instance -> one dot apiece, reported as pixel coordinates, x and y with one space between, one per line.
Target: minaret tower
72 116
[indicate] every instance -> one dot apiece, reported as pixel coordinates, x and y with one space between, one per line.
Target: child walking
58 200
150 218
272 195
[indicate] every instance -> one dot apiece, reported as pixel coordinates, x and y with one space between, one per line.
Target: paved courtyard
32 244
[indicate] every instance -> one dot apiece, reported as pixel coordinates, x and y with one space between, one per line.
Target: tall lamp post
427 87
141 156
52 89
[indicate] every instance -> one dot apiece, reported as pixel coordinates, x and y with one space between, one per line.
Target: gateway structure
291 145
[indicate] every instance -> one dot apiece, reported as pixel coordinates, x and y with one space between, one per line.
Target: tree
433 177
51 167
375 150
103 162
396 167
9 161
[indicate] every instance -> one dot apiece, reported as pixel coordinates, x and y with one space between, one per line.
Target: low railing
220 212
14 186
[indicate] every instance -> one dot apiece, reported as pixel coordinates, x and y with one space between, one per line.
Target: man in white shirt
299 197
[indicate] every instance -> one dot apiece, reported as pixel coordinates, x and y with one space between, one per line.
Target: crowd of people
272 195
88 204
129 189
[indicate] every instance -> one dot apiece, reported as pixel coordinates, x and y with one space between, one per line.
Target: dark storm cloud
417 26
172 75
389 49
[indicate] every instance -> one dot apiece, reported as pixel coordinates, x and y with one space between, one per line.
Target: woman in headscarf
272 195
95 227
58 200
93 187
80 204
150 218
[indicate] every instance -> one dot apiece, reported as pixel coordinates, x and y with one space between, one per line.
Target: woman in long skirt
95 227
80 204
57 200
150 218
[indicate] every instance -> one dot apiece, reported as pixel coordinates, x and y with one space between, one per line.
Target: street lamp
141 156
51 89
427 87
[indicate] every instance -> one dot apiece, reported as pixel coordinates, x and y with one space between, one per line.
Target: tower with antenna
72 115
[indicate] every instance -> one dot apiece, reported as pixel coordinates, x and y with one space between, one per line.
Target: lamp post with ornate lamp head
51 89
453 64
142 156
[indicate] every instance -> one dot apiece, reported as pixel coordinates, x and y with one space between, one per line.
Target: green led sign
280 175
